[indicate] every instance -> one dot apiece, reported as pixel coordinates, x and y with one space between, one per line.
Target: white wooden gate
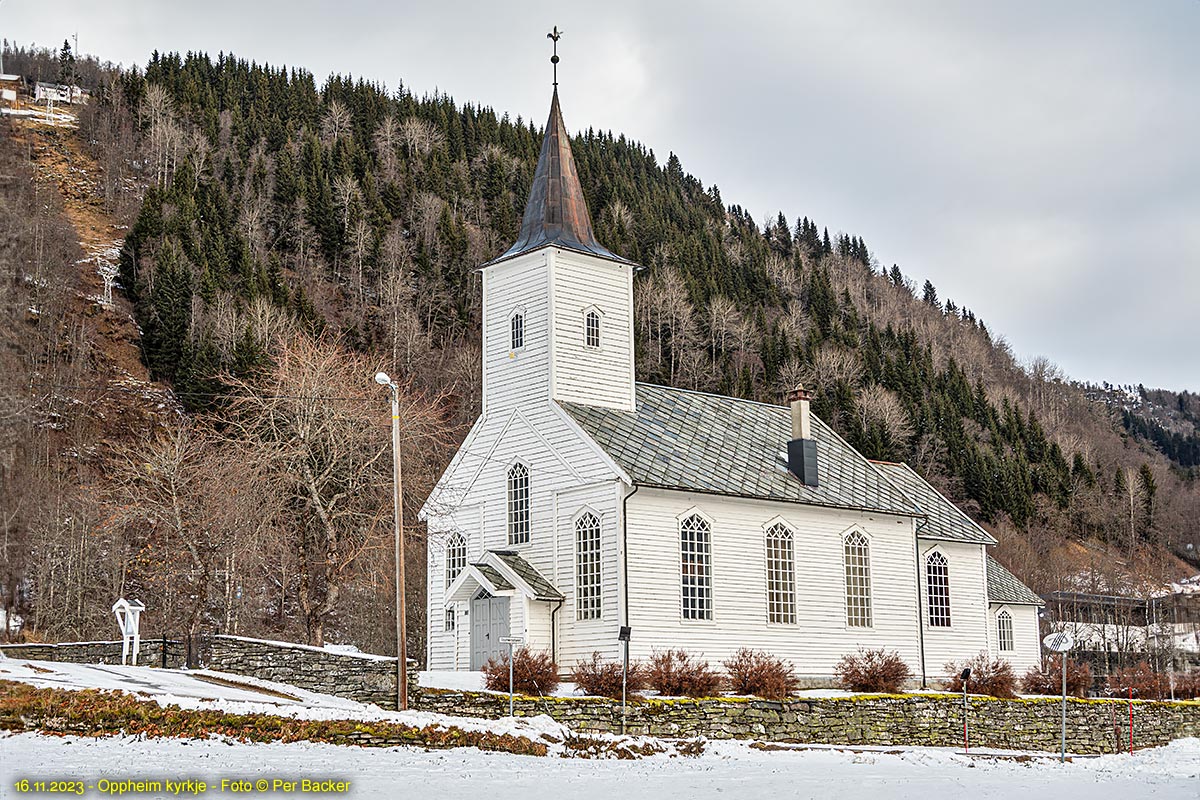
489 624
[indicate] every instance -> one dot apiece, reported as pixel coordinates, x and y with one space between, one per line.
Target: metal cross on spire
555 35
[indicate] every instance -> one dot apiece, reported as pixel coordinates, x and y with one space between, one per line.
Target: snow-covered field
729 770
726 769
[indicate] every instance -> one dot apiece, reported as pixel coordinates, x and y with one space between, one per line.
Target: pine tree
929 295
66 65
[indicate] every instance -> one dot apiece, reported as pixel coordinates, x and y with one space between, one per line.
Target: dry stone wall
1093 726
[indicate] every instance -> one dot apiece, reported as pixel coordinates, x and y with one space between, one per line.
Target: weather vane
555 35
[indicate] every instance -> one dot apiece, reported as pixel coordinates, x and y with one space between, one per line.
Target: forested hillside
278 211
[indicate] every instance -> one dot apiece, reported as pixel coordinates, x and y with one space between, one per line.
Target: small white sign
1059 642
512 640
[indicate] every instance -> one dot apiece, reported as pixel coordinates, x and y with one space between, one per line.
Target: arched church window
591 325
518 504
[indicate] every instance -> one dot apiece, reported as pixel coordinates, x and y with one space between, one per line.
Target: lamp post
401 645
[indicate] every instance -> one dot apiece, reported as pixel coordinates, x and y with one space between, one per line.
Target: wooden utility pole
398 501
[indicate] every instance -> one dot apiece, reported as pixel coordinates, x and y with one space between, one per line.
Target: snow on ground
205 689
728 770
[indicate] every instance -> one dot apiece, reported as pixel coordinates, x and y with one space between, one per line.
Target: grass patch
94 712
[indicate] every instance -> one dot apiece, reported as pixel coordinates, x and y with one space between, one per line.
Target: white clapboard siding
1027 637
821 636
967 635
597 376
512 377
560 461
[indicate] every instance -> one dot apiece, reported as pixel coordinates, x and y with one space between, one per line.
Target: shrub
872 671
1145 682
673 673
1187 685
533 673
992 676
758 673
603 678
1048 680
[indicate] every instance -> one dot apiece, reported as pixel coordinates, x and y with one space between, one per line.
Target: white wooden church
582 501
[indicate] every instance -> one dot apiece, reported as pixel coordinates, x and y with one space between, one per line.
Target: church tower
557 306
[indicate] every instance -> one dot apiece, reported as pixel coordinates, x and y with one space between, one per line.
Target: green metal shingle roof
493 576
1003 587
692 441
944 520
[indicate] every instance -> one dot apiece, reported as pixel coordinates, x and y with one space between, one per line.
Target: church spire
556 212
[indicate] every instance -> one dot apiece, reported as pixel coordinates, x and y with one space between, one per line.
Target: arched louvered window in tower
587 567
518 330
1004 631
591 325
857 554
518 504
695 552
937 589
781 575
456 556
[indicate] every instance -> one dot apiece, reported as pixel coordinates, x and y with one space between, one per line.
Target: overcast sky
1039 162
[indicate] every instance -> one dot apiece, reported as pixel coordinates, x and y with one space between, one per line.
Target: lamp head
382 379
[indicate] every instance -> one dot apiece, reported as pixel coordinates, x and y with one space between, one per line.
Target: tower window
518 330
518 504
456 557
591 325
937 586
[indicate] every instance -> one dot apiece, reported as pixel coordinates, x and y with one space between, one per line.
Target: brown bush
1048 680
603 678
872 671
673 673
534 673
1145 682
758 673
1187 685
992 676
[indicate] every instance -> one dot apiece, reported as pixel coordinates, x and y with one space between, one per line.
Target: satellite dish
1059 642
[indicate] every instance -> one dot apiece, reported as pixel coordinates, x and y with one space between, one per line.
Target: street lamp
401 645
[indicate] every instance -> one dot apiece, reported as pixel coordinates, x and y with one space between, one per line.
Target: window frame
862 616
517 525
456 553
590 313
589 605
702 610
516 338
782 605
937 603
450 621
1005 615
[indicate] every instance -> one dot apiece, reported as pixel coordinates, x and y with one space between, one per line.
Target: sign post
129 621
511 641
1060 643
965 676
623 637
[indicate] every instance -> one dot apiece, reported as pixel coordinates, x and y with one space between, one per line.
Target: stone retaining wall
150 653
1093 726
362 677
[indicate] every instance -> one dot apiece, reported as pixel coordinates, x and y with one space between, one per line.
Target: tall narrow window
449 623
587 567
696 568
518 504
591 324
1004 631
857 554
518 331
781 575
937 587
456 557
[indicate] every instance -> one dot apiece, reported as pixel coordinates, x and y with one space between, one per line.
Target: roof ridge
710 394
